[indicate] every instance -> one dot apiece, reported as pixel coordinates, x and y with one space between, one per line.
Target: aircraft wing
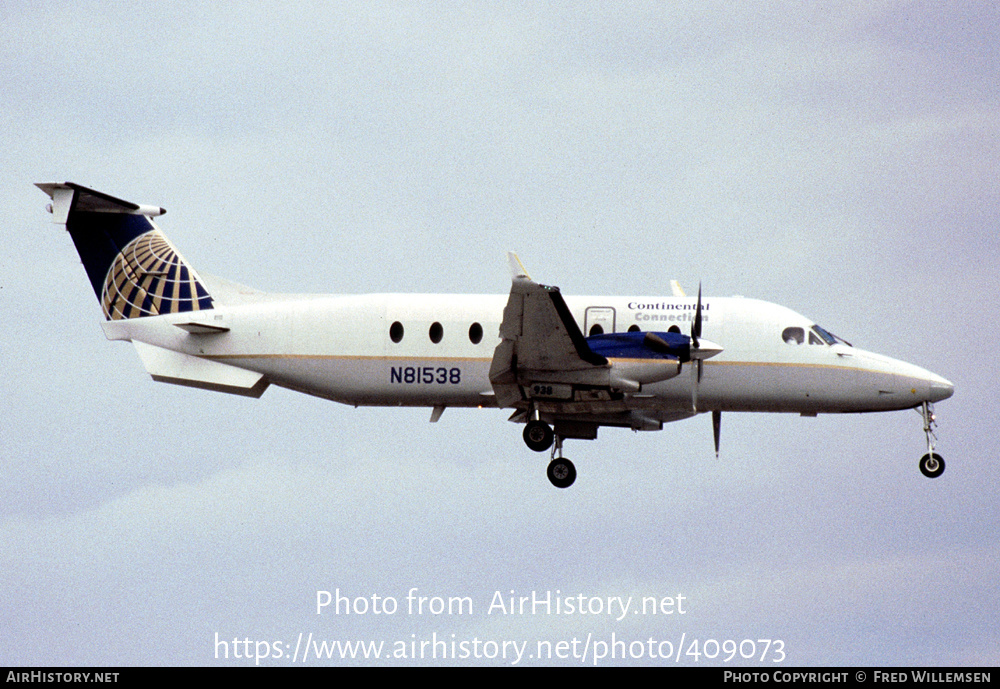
541 343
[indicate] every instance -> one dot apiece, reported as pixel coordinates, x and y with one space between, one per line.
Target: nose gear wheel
931 464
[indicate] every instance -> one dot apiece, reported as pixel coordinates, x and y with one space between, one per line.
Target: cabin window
436 332
633 328
793 335
475 333
396 332
596 329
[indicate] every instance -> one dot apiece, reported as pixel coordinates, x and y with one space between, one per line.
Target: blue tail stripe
100 237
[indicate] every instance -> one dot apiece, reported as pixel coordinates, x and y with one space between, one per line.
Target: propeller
696 346
702 349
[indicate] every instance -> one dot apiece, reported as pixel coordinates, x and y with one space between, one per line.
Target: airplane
564 366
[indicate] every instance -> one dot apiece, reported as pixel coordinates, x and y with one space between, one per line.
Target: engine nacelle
638 358
628 374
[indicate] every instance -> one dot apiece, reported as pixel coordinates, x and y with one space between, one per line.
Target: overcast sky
836 158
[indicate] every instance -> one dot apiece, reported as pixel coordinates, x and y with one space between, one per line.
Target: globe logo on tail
149 278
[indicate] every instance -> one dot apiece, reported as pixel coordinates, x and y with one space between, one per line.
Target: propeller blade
656 343
695 345
694 386
716 430
696 325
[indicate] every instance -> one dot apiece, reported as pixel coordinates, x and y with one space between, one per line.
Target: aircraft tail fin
134 269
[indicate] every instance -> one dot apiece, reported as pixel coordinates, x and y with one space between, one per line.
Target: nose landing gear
931 464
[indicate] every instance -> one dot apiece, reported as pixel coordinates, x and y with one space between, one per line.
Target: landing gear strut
931 464
561 471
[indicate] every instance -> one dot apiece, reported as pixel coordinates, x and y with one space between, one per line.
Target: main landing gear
539 437
931 464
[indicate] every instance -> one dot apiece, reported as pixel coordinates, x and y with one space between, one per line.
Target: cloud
839 161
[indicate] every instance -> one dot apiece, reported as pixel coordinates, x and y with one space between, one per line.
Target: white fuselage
341 348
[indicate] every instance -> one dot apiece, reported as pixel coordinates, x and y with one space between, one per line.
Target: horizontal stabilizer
167 366
68 196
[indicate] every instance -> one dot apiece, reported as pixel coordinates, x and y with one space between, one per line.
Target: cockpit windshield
828 337
817 336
